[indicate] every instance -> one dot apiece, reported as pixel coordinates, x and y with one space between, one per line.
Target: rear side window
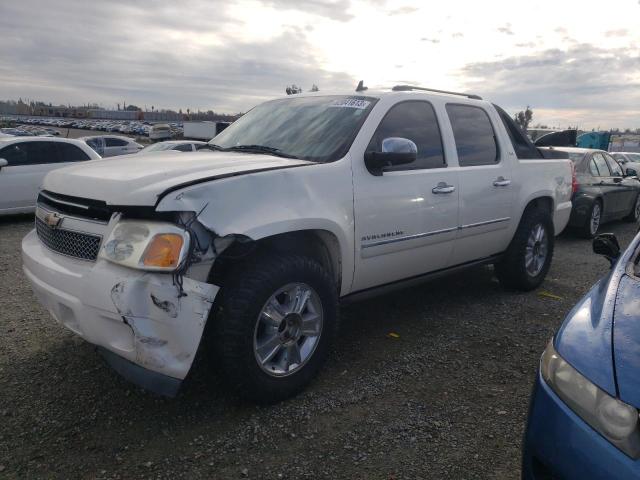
416 121
114 142
613 166
71 153
523 147
600 165
474 135
185 147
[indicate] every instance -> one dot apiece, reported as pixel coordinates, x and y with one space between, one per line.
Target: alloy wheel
536 250
288 329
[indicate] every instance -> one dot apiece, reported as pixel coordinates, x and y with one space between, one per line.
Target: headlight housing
612 418
155 246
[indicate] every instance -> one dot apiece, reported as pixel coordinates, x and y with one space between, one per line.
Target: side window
474 135
601 163
416 121
523 147
114 142
615 168
15 154
185 147
39 153
71 153
593 168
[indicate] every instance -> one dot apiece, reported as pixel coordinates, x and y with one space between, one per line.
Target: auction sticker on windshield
350 103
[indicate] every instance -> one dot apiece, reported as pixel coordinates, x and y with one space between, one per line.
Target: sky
574 62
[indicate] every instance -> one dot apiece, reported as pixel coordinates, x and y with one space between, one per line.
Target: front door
405 219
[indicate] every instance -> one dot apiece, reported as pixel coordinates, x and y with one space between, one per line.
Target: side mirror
395 151
606 244
631 172
3 163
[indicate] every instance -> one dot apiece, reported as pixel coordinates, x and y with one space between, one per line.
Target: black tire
512 269
586 230
230 338
634 215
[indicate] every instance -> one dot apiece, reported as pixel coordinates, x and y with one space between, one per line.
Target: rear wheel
273 325
592 223
528 258
634 215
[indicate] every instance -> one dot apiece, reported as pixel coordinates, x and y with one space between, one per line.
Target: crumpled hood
140 179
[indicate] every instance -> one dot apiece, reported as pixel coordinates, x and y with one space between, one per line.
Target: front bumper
150 332
559 444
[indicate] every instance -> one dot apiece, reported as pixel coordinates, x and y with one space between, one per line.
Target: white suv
24 162
302 202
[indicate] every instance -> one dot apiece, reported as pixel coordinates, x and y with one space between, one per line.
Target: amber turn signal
163 251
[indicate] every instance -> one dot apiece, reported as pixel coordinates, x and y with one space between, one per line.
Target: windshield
157 147
320 129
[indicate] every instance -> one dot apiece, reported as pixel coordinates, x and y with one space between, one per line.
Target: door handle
501 182
443 188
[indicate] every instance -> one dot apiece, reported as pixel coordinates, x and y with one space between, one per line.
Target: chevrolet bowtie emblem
52 219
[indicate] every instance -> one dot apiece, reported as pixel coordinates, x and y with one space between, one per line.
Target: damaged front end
143 300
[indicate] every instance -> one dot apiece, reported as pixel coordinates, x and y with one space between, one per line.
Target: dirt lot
447 399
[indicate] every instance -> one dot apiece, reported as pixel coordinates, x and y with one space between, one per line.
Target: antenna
408 88
361 87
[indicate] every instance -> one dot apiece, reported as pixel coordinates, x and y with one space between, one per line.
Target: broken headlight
156 246
612 418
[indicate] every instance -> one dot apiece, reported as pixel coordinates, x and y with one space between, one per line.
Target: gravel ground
446 399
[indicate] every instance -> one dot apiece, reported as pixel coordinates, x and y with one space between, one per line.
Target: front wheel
273 325
528 258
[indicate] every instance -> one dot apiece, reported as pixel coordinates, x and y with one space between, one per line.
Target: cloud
621 32
151 53
403 11
506 29
430 40
334 9
583 78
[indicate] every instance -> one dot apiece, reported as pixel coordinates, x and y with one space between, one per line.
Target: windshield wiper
260 149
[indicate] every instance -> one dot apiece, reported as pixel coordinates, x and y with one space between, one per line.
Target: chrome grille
84 246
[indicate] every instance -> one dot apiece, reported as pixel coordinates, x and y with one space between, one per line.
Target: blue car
583 416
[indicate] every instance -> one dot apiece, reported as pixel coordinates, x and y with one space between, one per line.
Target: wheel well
321 245
541 203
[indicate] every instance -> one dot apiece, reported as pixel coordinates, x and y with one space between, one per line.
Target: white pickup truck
302 202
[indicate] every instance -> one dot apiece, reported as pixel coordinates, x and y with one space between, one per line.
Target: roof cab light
156 246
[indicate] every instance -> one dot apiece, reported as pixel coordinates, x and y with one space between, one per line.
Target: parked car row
129 127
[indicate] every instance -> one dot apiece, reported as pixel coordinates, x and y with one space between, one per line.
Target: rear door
486 191
627 187
603 178
114 146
